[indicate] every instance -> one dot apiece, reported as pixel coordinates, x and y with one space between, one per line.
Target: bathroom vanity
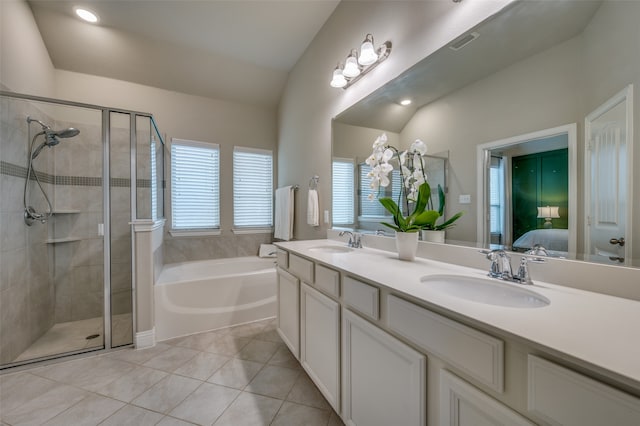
426 342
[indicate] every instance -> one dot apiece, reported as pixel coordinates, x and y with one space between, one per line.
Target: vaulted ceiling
237 50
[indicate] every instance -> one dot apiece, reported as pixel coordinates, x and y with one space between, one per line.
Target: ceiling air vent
461 42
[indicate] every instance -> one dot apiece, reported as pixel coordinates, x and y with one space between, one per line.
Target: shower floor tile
72 336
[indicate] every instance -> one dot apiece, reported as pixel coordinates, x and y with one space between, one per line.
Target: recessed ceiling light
86 15
405 102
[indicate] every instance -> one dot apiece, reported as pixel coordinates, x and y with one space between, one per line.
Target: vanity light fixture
548 213
338 79
357 65
405 102
86 15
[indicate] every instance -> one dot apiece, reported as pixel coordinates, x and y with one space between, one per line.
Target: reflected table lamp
548 213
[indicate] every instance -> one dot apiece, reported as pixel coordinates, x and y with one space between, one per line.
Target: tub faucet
355 240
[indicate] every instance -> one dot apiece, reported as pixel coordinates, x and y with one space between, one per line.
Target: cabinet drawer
560 396
283 258
363 297
328 280
477 354
302 268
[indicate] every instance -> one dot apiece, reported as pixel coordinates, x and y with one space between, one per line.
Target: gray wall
416 30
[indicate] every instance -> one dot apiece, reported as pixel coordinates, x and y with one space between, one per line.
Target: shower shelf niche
63 240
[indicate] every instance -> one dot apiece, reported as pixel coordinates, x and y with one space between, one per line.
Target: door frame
482 158
626 96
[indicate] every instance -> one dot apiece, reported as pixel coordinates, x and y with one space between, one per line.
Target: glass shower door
51 245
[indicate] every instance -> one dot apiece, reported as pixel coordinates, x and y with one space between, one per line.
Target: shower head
51 138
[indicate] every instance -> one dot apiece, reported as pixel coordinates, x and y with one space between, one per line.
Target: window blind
195 185
496 197
342 188
252 188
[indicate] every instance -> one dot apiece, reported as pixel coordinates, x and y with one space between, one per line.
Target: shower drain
92 336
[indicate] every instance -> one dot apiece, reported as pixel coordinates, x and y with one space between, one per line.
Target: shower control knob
618 241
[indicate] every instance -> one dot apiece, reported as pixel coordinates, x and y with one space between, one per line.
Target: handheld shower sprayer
51 138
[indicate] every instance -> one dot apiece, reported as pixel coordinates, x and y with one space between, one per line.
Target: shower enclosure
73 180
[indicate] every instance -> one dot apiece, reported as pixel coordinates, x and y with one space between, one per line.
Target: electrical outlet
464 199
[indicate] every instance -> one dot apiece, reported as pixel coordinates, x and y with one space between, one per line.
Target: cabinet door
463 405
320 342
289 311
383 379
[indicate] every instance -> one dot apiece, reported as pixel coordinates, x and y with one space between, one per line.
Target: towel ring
313 182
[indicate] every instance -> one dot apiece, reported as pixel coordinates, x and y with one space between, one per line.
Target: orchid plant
415 188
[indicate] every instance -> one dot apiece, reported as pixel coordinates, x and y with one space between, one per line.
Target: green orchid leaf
442 200
449 223
426 219
424 193
395 228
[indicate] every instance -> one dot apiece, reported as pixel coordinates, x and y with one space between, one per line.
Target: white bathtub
191 297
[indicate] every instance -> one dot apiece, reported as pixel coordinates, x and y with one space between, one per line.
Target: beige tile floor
72 336
238 376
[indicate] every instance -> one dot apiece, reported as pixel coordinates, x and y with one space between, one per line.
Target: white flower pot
407 245
432 236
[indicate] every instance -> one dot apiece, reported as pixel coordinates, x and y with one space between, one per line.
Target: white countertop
599 330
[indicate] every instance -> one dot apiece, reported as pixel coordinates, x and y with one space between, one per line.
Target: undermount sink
486 291
331 249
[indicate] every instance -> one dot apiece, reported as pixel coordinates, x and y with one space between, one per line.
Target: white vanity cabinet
463 405
320 342
289 310
383 380
366 344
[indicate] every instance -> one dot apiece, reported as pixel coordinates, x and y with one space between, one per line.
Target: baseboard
146 339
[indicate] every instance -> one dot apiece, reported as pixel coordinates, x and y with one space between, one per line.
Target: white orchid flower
419 146
380 141
371 161
387 155
371 196
403 158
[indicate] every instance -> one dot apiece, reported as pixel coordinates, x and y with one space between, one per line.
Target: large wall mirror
536 102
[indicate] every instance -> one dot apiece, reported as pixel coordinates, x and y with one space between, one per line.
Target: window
252 188
496 199
195 186
342 189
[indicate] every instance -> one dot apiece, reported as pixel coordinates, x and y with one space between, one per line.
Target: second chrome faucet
501 266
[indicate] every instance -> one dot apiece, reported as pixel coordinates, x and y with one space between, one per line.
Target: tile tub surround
222 377
183 249
602 329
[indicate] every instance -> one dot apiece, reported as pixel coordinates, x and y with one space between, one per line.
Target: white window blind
154 181
496 196
342 189
195 185
252 188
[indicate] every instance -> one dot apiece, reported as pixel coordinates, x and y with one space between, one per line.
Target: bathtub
191 297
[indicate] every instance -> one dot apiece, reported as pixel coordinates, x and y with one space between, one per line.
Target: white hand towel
284 213
313 210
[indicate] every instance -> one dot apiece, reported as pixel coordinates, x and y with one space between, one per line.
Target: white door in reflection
608 132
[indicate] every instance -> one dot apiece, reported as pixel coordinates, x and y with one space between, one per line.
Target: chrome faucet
355 240
501 266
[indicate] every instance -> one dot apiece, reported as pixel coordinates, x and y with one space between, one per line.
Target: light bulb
405 102
86 15
338 79
368 54
351 68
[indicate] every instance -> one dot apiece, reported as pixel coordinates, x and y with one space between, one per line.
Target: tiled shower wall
27 292
78 264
